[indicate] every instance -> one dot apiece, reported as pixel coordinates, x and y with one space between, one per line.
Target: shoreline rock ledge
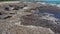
27 18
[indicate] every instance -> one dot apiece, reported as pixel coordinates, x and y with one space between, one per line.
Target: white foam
48 17
53 4
58 5
43 3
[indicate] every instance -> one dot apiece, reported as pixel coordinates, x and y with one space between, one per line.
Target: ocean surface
57 15
46 1
51 2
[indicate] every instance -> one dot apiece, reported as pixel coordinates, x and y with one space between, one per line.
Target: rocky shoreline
29 18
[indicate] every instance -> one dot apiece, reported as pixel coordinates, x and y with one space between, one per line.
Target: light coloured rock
30 30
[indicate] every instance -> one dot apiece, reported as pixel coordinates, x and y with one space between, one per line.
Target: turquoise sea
52 2
46 1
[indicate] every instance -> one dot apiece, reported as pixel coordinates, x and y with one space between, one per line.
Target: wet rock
34 19
40 20
48 10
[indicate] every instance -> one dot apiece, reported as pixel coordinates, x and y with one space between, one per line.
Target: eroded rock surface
29 18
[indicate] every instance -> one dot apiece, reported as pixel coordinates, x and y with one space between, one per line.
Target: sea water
56 14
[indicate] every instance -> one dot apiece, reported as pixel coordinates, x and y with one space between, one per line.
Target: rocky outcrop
29 18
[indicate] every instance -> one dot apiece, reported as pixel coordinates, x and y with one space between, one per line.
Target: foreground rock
29 30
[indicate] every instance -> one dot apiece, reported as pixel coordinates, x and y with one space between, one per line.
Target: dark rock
6 8
7 17
0 13
10 5
25 5
17 7
34 19
21 7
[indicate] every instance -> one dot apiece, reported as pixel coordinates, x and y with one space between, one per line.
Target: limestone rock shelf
29 18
